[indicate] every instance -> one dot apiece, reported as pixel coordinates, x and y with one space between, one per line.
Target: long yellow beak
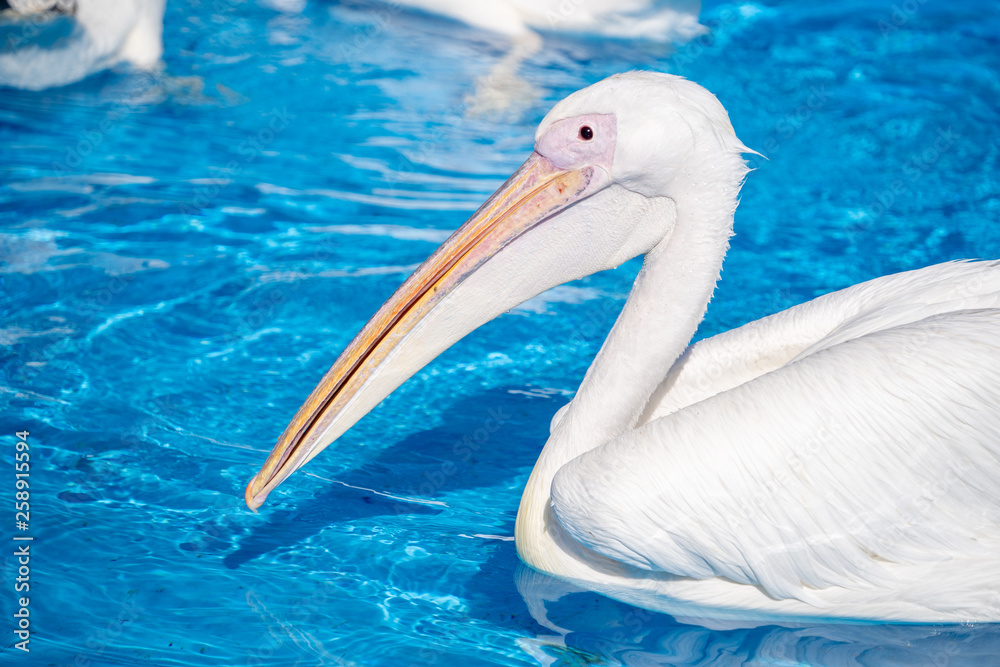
536 191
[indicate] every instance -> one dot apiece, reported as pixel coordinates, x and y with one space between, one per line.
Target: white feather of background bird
48 43
524 22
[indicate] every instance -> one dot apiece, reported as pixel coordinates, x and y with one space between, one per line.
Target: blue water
184 255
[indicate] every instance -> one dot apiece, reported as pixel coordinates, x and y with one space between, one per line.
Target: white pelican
47 43
654 20
840 459
520 21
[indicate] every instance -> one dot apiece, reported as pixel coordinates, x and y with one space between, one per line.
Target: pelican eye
586 133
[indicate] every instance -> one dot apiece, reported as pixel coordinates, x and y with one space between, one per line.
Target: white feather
858 464
66 48
840 459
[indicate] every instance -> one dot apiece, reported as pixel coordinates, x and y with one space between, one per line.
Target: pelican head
614 168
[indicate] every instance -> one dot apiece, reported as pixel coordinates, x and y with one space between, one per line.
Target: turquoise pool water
184 255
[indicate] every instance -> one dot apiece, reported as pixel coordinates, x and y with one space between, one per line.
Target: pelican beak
537 191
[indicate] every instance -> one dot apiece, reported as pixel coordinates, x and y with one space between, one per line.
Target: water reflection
407 478
587 628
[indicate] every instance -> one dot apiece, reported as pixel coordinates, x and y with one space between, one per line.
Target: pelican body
48 43
838 460
656 20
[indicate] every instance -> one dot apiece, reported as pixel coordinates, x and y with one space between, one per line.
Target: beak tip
251 500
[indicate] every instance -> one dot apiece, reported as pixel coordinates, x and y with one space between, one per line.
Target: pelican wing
863 458
734 357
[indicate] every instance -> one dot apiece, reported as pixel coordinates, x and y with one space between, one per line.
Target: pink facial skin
566 146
